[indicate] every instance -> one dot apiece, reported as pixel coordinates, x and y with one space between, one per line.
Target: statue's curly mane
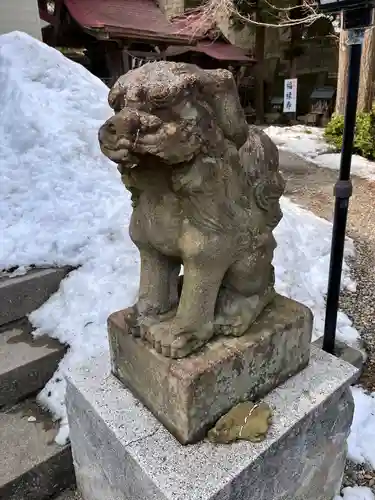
232 156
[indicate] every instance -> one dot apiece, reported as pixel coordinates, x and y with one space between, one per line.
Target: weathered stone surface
26 364
122 452
347 353
32 465
205 189
190 394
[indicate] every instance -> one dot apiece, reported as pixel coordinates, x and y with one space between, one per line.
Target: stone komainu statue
205 191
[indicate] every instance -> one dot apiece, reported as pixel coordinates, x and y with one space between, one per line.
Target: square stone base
189 395
122 452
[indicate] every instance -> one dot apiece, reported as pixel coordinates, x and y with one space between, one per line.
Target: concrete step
32 466
20 295
26 364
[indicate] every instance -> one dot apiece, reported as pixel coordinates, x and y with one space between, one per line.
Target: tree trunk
367 67
260 39
342 74
115 62
295 40
295 44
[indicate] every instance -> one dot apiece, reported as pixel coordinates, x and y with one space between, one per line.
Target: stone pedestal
122 452
189 395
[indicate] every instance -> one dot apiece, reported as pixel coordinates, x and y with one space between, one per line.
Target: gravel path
312 187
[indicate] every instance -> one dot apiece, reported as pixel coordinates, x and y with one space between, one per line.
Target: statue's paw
131 319
141 316
246 313
147 323
176 341
231 327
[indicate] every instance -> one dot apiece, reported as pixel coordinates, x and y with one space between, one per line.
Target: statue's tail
259 156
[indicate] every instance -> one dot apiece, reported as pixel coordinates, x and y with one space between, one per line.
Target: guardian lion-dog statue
205 192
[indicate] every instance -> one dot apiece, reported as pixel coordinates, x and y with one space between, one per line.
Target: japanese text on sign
290 95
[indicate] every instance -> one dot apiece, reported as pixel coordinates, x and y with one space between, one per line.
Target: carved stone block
190 394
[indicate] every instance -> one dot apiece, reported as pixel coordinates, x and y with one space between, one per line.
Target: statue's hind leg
247 289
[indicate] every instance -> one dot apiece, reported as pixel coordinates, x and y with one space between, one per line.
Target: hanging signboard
290 95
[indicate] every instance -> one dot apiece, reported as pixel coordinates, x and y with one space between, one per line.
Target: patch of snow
360 166
20 271
302 263
356 493
361 441
304 141
62 202
51 109
309 143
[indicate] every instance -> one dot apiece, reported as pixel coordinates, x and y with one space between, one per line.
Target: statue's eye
111 128
118 104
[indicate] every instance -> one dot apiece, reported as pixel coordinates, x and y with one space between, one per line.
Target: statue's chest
156 221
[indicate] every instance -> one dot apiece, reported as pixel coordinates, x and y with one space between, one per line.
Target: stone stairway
32 466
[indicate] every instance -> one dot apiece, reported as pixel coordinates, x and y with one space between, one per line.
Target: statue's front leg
192 326
157 289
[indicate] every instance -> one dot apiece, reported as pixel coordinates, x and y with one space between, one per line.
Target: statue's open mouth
119 154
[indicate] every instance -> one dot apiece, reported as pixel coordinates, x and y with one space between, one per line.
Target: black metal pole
343 190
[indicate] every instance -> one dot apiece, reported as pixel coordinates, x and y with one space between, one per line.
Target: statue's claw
173 340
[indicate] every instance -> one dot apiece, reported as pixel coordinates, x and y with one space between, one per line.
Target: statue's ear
221 92
116 97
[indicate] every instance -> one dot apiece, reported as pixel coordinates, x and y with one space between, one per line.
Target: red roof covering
198 26
195 24
223 51
130 18
142 19
218 50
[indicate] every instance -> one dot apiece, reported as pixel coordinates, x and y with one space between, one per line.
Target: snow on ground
309 143
356 493
302 263
361 442
62 202
299 139
360 166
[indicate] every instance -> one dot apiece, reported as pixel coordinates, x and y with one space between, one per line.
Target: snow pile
356 493
309 143
361 442
51 109
302 263
62 202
